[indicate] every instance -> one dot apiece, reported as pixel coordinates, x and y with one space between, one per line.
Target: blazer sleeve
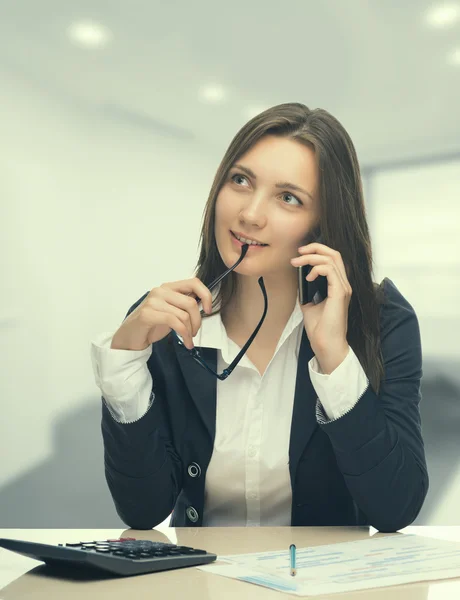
378 444
142 467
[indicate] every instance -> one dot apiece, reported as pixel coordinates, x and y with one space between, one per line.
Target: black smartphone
311 291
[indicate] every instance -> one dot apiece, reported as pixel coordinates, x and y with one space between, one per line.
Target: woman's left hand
326 323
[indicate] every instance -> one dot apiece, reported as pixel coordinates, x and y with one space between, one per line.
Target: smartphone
311 291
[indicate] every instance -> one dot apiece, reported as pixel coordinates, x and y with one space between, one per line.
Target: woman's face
258 201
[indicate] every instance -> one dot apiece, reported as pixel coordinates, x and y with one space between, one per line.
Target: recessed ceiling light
443 15
454 58
89 34
212 93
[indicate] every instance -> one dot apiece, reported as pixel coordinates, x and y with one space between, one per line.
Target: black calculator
122 556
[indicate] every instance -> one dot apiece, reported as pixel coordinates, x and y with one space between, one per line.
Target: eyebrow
285 185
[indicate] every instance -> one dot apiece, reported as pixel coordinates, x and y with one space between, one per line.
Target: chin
250 266
247 271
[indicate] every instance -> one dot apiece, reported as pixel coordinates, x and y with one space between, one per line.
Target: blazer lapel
303 415
203 390
201 384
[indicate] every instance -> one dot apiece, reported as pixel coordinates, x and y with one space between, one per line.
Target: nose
254 211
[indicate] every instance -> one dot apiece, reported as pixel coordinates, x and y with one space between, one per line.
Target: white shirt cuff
123 378
340 391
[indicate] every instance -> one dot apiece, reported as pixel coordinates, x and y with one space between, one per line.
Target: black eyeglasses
194 353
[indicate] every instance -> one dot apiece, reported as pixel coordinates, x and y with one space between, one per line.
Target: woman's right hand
166 307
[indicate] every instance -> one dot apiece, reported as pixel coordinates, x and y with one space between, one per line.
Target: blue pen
292 550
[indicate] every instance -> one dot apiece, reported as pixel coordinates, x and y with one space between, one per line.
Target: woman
318 423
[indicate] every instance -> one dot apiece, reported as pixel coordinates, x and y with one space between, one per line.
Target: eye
294 197
237 175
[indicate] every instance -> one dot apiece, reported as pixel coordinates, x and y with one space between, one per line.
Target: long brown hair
342 222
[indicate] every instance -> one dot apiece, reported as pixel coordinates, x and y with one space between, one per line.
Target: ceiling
375 65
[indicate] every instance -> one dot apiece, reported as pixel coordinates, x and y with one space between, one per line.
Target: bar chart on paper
370 563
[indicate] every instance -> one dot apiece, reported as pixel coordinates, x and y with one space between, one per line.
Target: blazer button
194 470
192 514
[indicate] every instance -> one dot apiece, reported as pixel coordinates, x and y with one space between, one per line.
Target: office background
114 117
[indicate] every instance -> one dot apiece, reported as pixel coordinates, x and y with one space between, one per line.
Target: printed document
375 562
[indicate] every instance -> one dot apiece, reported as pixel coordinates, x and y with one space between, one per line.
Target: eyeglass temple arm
230 368
244 250
213 284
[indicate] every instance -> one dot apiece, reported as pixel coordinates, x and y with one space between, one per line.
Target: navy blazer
366 468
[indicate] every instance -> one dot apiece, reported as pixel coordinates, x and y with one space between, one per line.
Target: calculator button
98 549
74 545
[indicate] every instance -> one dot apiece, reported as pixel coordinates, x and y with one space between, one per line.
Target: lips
262 244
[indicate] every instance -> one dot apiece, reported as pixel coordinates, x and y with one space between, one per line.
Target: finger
160 310
316 259
334 278
314 247
185 304
333 255
193 286
171 321
179 327
184 317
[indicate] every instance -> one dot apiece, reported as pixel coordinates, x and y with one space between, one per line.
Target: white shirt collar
212 333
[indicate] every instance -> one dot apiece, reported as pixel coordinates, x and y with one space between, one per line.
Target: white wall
416 238
93 214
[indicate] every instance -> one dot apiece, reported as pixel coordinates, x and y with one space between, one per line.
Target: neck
245 309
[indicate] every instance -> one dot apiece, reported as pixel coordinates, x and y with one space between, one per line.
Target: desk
22 577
